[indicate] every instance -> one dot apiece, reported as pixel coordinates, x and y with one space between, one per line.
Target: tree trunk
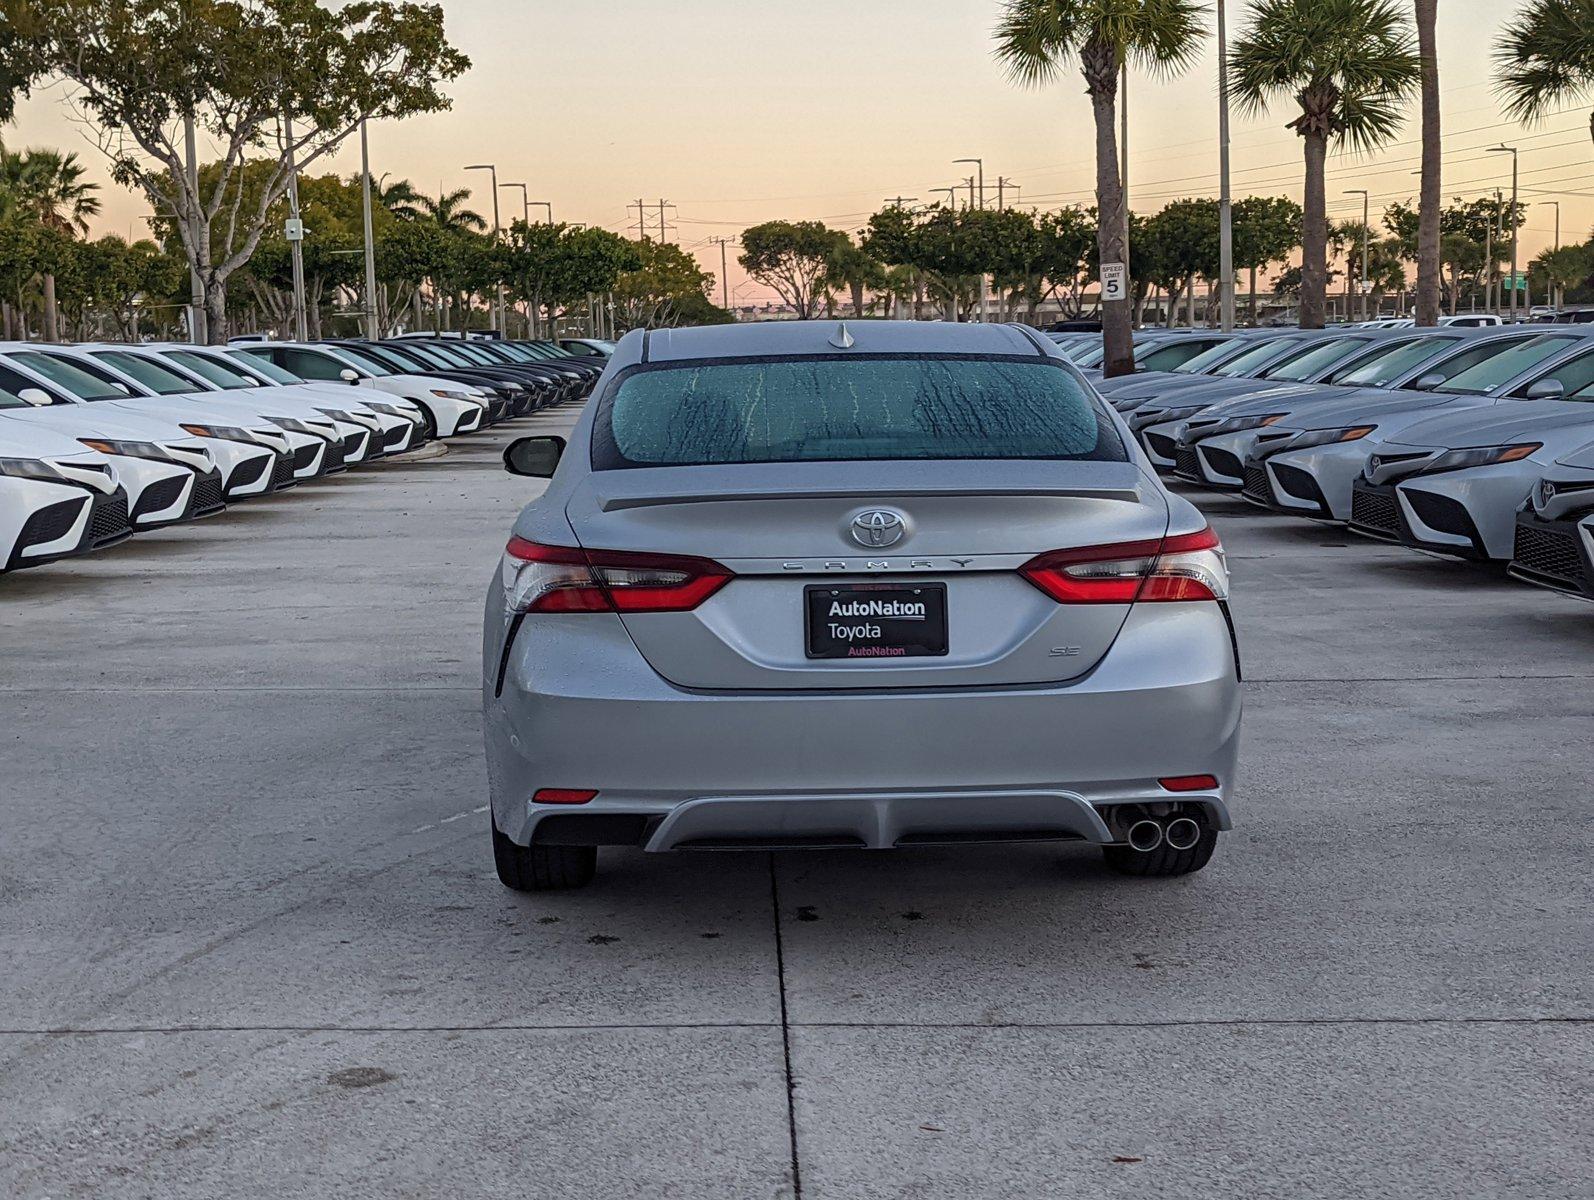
52 312
1314 233
216 311
1428 207
1112 237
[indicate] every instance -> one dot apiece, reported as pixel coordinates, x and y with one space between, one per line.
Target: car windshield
366 362
386 357
1502 368
827 410
1208 359
256 365
163 381
208 368
1252 360
1309 363
82 383
1088 355
1169 355
1390 361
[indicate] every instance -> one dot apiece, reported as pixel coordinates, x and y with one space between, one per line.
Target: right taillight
1185 566
564 579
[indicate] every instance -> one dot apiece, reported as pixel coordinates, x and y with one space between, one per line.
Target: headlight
1480 456
31 468
130 449
1308 438
1240 424
391 410
226 433
451 394
295 425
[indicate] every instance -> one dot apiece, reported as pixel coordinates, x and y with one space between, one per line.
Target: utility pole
979 164
663 204
498 290
1512 151
725 279
1002 184
1362 192
641 219
1555 288
301 327
197 324
1225 206
371 330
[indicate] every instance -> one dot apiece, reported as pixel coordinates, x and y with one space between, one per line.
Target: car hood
1285 398
28 439
1497 424
1582 456
1151 385
102 419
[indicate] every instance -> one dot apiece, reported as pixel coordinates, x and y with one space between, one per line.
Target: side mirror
1426 383
36 397
349 375
534 456
1546 389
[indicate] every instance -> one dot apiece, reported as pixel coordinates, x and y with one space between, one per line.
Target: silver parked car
799 585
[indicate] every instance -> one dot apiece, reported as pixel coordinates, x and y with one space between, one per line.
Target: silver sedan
901 584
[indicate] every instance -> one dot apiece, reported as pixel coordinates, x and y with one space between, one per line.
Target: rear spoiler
644 499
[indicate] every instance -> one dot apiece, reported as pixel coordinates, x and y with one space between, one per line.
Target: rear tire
542 868
1164 861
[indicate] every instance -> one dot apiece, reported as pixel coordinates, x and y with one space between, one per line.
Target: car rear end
864 599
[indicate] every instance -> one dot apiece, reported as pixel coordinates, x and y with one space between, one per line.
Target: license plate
881 620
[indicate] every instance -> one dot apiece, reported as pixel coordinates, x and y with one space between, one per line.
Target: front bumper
573 705
1555 554
69 526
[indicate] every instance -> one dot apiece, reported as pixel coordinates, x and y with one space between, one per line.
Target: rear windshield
829 410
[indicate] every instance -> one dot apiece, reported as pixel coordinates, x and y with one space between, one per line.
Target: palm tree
1349 64
1428 201
1036 39
49 187
447 211
399 197
1546 57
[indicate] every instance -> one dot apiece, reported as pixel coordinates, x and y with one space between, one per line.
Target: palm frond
1036 39
1545 57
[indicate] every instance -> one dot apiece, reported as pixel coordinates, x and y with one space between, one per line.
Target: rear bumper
579 708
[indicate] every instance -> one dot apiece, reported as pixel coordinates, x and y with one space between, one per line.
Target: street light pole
498 290
371 330
1512 150
1225 207
1366 217
979 164
525 216
1555 290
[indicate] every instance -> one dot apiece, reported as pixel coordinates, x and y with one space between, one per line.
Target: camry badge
878 528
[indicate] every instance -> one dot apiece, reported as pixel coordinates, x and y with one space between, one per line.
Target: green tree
1037 39
1185 236
1545 57
48 186
555 267
234 69
1554 272
669 287
1266 230
852 269
1348 65
791 257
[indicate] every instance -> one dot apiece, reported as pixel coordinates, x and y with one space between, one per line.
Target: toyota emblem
878 528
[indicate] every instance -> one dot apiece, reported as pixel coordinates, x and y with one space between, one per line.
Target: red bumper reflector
563 795
1190 783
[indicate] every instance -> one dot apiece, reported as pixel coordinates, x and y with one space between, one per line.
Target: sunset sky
740 111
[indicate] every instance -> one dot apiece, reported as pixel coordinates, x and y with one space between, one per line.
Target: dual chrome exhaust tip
1179 833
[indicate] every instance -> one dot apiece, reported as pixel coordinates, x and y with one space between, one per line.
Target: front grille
159 496
1442 513
108 520
1375 511
282 471
334 460
1257 485
394 438
206 497
1186 464
1551 552
304 456
49 523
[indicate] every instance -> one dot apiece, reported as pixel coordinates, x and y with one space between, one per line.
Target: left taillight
1186 566
567 579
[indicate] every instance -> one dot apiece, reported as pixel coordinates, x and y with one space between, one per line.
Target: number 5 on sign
1114 282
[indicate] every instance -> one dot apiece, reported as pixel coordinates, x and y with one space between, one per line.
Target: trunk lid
784 529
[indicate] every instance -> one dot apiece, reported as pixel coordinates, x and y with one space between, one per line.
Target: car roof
827 337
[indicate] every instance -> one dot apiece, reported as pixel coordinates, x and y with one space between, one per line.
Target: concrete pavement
253 944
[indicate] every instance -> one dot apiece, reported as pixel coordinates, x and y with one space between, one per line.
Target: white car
110 414
1555 530
450 407
326 442
56 497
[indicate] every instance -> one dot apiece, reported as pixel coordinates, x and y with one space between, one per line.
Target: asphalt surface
252 944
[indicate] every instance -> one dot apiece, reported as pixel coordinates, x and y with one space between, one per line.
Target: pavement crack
785 1031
